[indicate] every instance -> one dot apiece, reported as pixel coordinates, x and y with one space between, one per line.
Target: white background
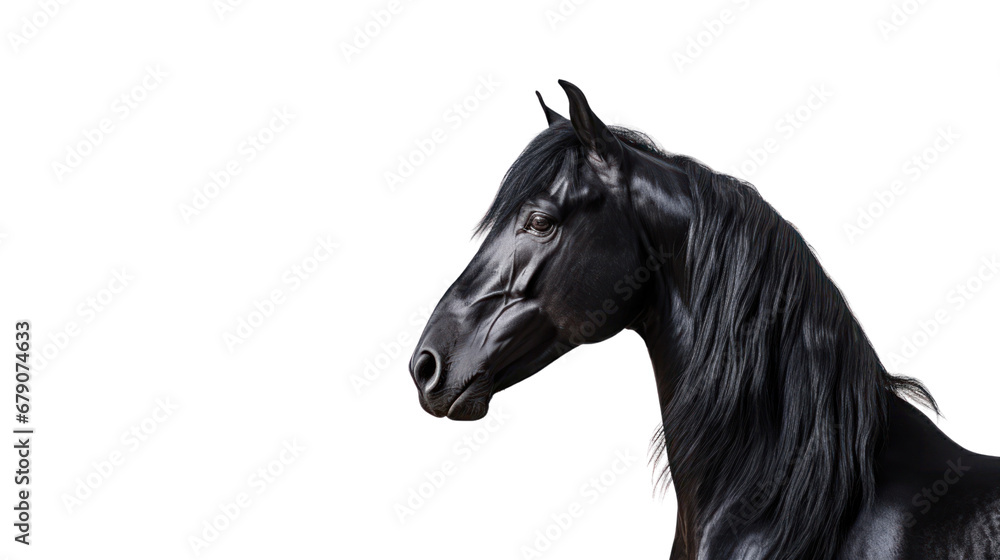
301 374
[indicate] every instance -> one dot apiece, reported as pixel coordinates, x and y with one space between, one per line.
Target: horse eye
539 224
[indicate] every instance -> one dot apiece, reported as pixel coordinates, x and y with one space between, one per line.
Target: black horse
786 437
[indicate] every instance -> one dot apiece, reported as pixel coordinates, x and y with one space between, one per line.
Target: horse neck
767 384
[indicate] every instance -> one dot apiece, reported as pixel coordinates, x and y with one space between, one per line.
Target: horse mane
536 167
532 172
782 401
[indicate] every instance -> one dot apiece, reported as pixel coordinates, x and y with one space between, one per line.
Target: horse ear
594 134
551 116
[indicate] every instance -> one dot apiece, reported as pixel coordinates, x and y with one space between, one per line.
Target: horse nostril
426 371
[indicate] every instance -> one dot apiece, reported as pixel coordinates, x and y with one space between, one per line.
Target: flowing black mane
782 400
